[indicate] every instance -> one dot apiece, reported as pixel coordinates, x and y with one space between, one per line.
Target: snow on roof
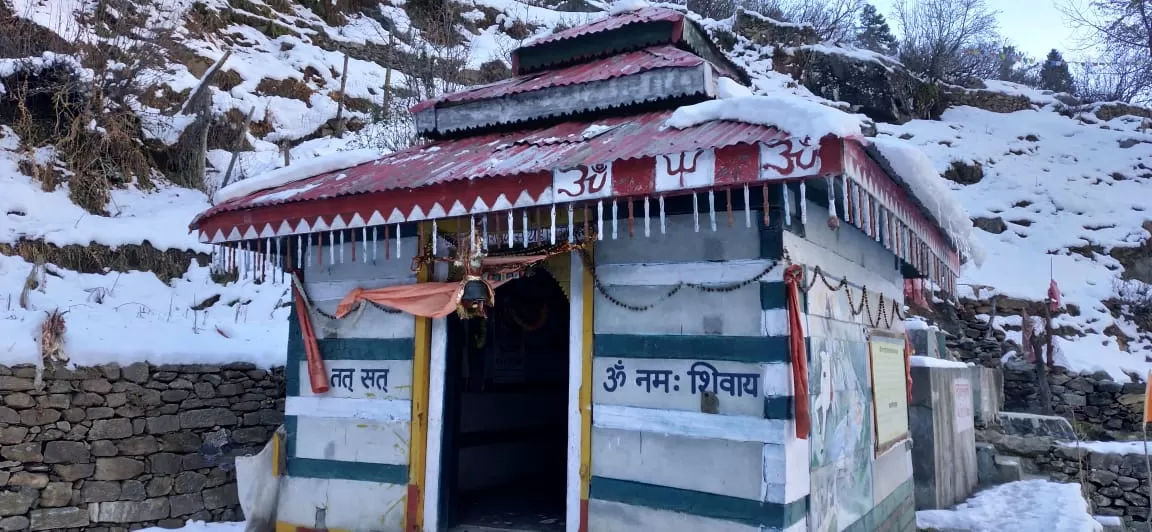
292 173
1021 506
798 116
920 361
619 7
913 167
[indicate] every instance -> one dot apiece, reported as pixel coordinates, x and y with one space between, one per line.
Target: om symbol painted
617 377
581 182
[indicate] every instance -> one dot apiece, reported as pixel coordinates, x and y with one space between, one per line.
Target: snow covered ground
1057 182
200 526
1022 506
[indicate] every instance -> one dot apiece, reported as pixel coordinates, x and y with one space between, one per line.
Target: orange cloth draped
317 375
429 300
799 355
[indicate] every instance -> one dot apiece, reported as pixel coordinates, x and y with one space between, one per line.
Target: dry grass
98 258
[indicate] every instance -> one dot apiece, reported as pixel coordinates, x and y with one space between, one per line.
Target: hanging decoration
793 276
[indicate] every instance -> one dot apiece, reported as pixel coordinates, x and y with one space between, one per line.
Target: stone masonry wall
1101 407
1115 484
113 448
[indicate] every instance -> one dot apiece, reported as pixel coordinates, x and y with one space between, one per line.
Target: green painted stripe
897 507
355 348
728 348
315 468
290 427
779 407
746 511
774 296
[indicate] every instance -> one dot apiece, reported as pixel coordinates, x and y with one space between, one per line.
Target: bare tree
949 40
1121 33
834 20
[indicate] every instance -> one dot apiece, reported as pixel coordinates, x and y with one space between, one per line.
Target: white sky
1034 26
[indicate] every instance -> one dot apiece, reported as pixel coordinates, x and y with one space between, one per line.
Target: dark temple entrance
505 405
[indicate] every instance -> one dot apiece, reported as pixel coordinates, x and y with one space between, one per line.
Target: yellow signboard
889 388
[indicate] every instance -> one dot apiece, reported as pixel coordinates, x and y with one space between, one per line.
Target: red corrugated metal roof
647 14
522 152
665 56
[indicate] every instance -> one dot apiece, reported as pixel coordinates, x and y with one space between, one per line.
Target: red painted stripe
583 515
411 521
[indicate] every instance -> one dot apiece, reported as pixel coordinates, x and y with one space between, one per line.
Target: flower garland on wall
890 309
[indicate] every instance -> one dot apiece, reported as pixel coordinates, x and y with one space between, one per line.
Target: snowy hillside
1066 186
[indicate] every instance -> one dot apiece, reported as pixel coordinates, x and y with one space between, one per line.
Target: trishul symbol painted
682 167
592 180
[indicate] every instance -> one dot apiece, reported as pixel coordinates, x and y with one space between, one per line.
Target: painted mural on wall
841 441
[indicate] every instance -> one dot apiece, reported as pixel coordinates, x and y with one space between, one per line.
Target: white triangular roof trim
479 205
267 232
524 199
501 203
396 217
338 223
376 218
285 228
319 224
416 214
437 211
457 209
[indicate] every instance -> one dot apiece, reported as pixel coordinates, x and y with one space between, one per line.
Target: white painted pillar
575 378
436 377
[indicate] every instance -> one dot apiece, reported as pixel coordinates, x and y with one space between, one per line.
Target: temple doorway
505 412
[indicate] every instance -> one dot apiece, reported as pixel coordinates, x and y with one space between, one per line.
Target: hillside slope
1058 189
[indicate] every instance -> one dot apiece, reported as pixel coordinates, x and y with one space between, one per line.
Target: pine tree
874 33
1054 74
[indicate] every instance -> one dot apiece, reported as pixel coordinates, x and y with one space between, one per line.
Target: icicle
341 247
299 252
847 211
435 231
647 220
615 215
398 240
803 203
471 232
571 222
524 219
552 228
484 231
331 247
712 209
767 208
747 207
271 260
662 227
376 242
878 220
787 204
600 220
364 243
631 219
695 212
511 230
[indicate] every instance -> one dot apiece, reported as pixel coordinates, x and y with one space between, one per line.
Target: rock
994 225
186 504
66 452
110 429
11 435
24 452
104 448
71 472
19 400
99 491
54 518
29 480
35 417
133 490
15 502
12 524
100 412
163 424
118 468
8 415
133 512
159 486
222 497
189 482
1102 478
137 373
56 494
165 464
138 446
207 418
15 384
181 442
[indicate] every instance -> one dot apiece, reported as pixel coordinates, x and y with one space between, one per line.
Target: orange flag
1148 398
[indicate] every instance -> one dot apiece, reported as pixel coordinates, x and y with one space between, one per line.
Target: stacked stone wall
113 448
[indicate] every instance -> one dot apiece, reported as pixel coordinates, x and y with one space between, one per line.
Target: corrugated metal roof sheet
522 152
647 14
665 56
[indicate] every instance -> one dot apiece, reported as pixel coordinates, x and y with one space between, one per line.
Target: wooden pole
236 149
340 103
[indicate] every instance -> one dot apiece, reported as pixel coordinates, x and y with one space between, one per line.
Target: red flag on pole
1053 295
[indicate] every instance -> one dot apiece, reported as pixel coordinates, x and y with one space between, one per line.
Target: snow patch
1022 506
1109 447
299 171
728 88
201 526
